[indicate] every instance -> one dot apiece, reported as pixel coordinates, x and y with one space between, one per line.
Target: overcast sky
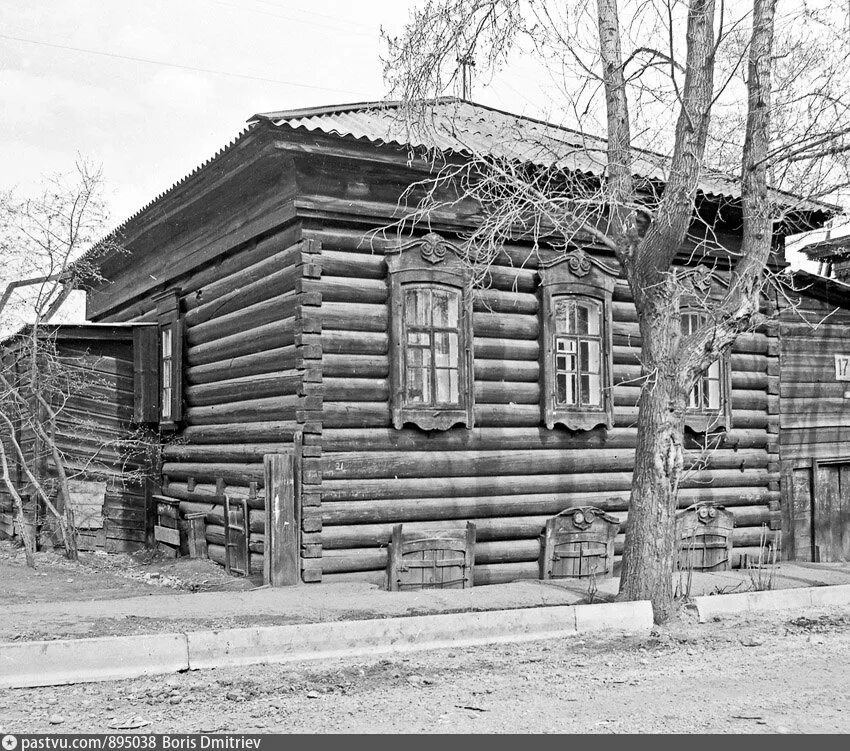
151 123
150 89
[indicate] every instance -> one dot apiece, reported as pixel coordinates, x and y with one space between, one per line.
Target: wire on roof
166 64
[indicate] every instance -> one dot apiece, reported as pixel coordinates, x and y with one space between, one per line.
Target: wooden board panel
801 513
167 535
826 506
87 499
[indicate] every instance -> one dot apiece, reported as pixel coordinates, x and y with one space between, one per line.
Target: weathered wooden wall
249 383
509 473
93 425
815 426
815 406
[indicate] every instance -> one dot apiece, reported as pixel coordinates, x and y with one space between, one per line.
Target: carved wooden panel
439 560
578 542
704 532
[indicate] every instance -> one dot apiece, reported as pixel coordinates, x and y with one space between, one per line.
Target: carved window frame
169 359
576 276
429 262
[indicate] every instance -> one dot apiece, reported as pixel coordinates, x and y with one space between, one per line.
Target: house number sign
842 367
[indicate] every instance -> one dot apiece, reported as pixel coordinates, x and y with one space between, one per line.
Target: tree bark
648 556
26 535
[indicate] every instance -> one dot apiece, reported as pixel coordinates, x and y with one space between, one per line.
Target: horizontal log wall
250 364
509 473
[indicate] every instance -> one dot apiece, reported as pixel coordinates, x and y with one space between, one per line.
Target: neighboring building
92 376
286 324
815 406
828 247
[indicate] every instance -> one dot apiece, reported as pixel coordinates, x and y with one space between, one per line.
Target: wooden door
831 512
798 510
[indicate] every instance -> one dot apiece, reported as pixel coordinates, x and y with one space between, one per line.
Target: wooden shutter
145 374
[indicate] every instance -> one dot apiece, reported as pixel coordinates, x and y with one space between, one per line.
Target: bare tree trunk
648 556
26 534
66 531
62 511
63 506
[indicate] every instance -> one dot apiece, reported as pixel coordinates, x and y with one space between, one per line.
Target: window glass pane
695 396
445 350
566 387
165 410
565 363
417 307
166 342
591 392
713 394
581 319
594 318
589 356
712 385
566 346
454 310
446 386
419 375
418 339
565 316
446 306
690 323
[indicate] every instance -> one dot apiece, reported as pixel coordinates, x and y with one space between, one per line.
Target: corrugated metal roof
459 126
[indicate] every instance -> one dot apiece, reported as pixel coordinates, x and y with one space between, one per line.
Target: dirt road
786 672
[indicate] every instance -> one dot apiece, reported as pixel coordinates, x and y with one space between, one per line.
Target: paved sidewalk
334 602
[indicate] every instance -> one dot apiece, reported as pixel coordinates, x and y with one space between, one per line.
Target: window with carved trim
707 407
431 336
576 293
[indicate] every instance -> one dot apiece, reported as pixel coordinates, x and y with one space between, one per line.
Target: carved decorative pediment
577 266
433 248
578 262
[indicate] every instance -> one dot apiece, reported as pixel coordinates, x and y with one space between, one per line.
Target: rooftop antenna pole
467 63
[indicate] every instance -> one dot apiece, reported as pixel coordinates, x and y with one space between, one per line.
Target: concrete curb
28 664
374 636
49 663
775 599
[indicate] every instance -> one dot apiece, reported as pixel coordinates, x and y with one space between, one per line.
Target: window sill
706 422
578 419
433 419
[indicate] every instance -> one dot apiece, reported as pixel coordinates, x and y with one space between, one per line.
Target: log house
406 395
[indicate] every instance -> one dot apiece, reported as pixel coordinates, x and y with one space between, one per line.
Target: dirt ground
98 576
771 673
120 595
